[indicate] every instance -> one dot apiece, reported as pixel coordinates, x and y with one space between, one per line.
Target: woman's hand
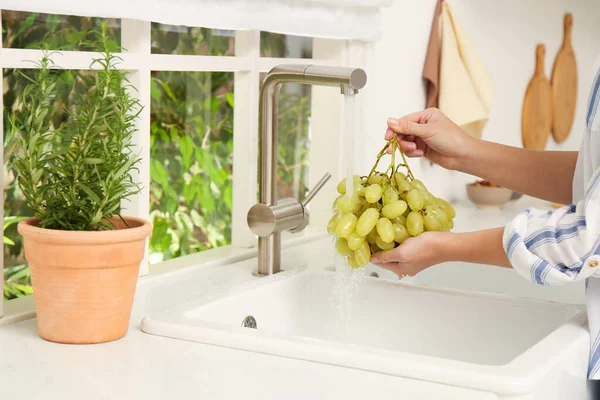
546 175
432 248
431 134
414 255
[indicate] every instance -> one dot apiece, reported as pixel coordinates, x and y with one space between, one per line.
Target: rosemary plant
74 177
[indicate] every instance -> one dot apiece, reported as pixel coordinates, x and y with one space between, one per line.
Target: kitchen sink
482 341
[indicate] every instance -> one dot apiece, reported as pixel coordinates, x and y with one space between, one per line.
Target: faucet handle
309 196
313 192
287 214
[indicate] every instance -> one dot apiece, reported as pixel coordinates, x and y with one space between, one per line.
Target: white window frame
247 66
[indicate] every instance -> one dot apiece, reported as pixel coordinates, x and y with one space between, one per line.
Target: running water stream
349 134
347 281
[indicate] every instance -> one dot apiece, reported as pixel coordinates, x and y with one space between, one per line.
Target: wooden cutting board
536 121
564 86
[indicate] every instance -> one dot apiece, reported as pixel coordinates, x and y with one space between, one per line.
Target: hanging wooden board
564 86
536 121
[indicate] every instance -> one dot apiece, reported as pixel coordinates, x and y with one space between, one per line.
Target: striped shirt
555 247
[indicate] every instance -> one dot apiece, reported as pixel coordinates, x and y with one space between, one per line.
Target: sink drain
374 275
249 322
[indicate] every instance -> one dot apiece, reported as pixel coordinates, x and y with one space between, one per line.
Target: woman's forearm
546 175
479 247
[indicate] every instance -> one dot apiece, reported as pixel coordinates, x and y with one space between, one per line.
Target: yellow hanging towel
466 88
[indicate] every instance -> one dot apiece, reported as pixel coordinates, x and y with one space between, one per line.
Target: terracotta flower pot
84 282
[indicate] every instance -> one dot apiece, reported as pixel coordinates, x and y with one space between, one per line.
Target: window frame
246 64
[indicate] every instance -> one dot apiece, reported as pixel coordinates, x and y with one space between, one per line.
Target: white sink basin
481 341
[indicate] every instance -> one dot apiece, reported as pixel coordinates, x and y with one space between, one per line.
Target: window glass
24 30
185 40
285 46
294 140
191 162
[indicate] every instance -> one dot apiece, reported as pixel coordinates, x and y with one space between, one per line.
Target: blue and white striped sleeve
555 247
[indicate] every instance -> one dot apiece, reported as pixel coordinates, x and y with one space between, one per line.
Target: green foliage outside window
191 162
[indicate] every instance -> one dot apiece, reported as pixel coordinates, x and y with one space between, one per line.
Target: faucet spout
350 81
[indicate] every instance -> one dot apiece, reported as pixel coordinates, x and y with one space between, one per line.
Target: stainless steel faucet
271 216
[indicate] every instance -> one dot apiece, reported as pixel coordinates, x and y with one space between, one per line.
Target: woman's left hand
414 255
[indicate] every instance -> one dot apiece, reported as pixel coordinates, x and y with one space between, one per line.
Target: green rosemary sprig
75 177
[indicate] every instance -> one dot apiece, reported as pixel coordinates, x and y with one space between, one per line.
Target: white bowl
485 196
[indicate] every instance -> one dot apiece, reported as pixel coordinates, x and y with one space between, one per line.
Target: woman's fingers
396 268
414 153
414 124
407 146
392 266
385 257
421 145
406 142
410 150
413 149
407 126
389 134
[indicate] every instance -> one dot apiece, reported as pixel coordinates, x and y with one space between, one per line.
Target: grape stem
393 164
410 174
381 153
393 167
405 163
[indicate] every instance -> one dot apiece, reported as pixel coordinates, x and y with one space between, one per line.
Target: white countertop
141 366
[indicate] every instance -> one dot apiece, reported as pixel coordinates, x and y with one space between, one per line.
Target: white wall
505 33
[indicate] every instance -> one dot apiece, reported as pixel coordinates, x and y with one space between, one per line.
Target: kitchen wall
505 33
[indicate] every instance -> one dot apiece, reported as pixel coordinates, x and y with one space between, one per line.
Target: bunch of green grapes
384 210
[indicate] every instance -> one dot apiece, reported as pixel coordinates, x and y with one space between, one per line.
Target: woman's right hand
431 134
